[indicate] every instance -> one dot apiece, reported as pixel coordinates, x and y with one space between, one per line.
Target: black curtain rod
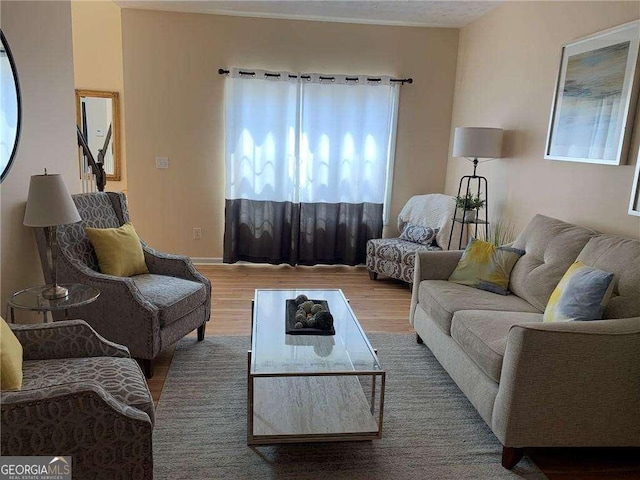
402 81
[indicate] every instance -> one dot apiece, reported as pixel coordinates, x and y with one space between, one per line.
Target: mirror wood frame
115 102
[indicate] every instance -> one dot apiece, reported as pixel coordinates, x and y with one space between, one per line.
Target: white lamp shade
49 203
477 142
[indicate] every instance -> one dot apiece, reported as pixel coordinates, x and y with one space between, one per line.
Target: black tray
290 320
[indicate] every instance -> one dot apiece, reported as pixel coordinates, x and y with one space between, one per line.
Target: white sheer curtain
261 117
310 155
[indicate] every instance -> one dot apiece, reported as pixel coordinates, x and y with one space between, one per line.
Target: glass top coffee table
310 388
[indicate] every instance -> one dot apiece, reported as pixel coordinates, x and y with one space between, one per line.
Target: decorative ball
298 325
307 306
301 299
311 322
317 308
301 317
323 320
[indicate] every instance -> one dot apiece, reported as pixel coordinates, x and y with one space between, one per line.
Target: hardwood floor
381 306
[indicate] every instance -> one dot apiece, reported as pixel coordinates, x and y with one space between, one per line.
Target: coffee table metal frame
253 439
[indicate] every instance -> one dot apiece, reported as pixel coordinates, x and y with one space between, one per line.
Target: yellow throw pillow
10 359
485 266
118 250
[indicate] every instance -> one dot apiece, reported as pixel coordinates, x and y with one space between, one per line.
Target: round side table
31 299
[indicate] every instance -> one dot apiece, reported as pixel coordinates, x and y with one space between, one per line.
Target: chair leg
201 330
419 340
147 366
373 275
511 456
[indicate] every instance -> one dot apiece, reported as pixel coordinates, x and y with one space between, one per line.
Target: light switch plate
162 162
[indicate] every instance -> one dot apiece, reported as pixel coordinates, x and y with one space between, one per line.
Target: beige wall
507 67
39 34
97 57
174 99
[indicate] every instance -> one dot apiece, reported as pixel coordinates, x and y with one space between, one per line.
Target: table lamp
49 204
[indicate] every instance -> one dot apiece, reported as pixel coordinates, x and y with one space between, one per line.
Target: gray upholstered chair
395 257
81 396
146 313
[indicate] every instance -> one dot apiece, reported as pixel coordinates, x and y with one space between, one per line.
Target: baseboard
206 260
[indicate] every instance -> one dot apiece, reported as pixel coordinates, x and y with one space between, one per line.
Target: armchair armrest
64 418
570 383
65 339
179 266
432 265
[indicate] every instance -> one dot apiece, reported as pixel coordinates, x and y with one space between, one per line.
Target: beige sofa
539 384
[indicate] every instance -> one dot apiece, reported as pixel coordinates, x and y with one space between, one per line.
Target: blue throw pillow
419 234
582 294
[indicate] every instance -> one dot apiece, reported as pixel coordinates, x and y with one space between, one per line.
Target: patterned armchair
395 257
81 396
146 313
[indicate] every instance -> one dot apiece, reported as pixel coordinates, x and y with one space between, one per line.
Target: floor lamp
49 204
475 143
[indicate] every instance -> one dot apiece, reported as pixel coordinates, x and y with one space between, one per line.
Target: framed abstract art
594 100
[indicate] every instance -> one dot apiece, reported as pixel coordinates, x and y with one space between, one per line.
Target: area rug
430 430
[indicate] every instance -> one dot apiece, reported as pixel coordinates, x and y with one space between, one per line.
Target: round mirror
9 108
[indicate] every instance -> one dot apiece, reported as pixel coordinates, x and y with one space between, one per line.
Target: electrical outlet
162 162
197 233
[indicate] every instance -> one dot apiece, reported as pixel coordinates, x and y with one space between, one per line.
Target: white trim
634 201
391 155
206 260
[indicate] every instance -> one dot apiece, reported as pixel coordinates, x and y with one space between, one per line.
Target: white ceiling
421 13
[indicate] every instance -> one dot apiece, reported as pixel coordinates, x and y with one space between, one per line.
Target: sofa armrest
570 384
435 265
432 265
65 339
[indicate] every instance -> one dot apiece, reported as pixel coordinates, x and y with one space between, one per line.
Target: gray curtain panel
306 234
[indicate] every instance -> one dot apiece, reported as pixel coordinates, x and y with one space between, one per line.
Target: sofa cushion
441 299
483 336
551 246
174 297
620 256
120 377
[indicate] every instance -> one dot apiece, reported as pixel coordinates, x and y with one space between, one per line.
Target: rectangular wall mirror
98 117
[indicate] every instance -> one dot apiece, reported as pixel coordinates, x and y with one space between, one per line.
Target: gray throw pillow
419 234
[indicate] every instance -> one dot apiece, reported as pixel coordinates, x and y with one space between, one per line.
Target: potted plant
470 205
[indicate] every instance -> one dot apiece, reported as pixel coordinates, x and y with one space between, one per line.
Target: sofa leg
419 340
147 366
511 456
201 330
373 275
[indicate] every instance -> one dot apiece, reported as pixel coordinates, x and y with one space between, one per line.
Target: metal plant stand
479 183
